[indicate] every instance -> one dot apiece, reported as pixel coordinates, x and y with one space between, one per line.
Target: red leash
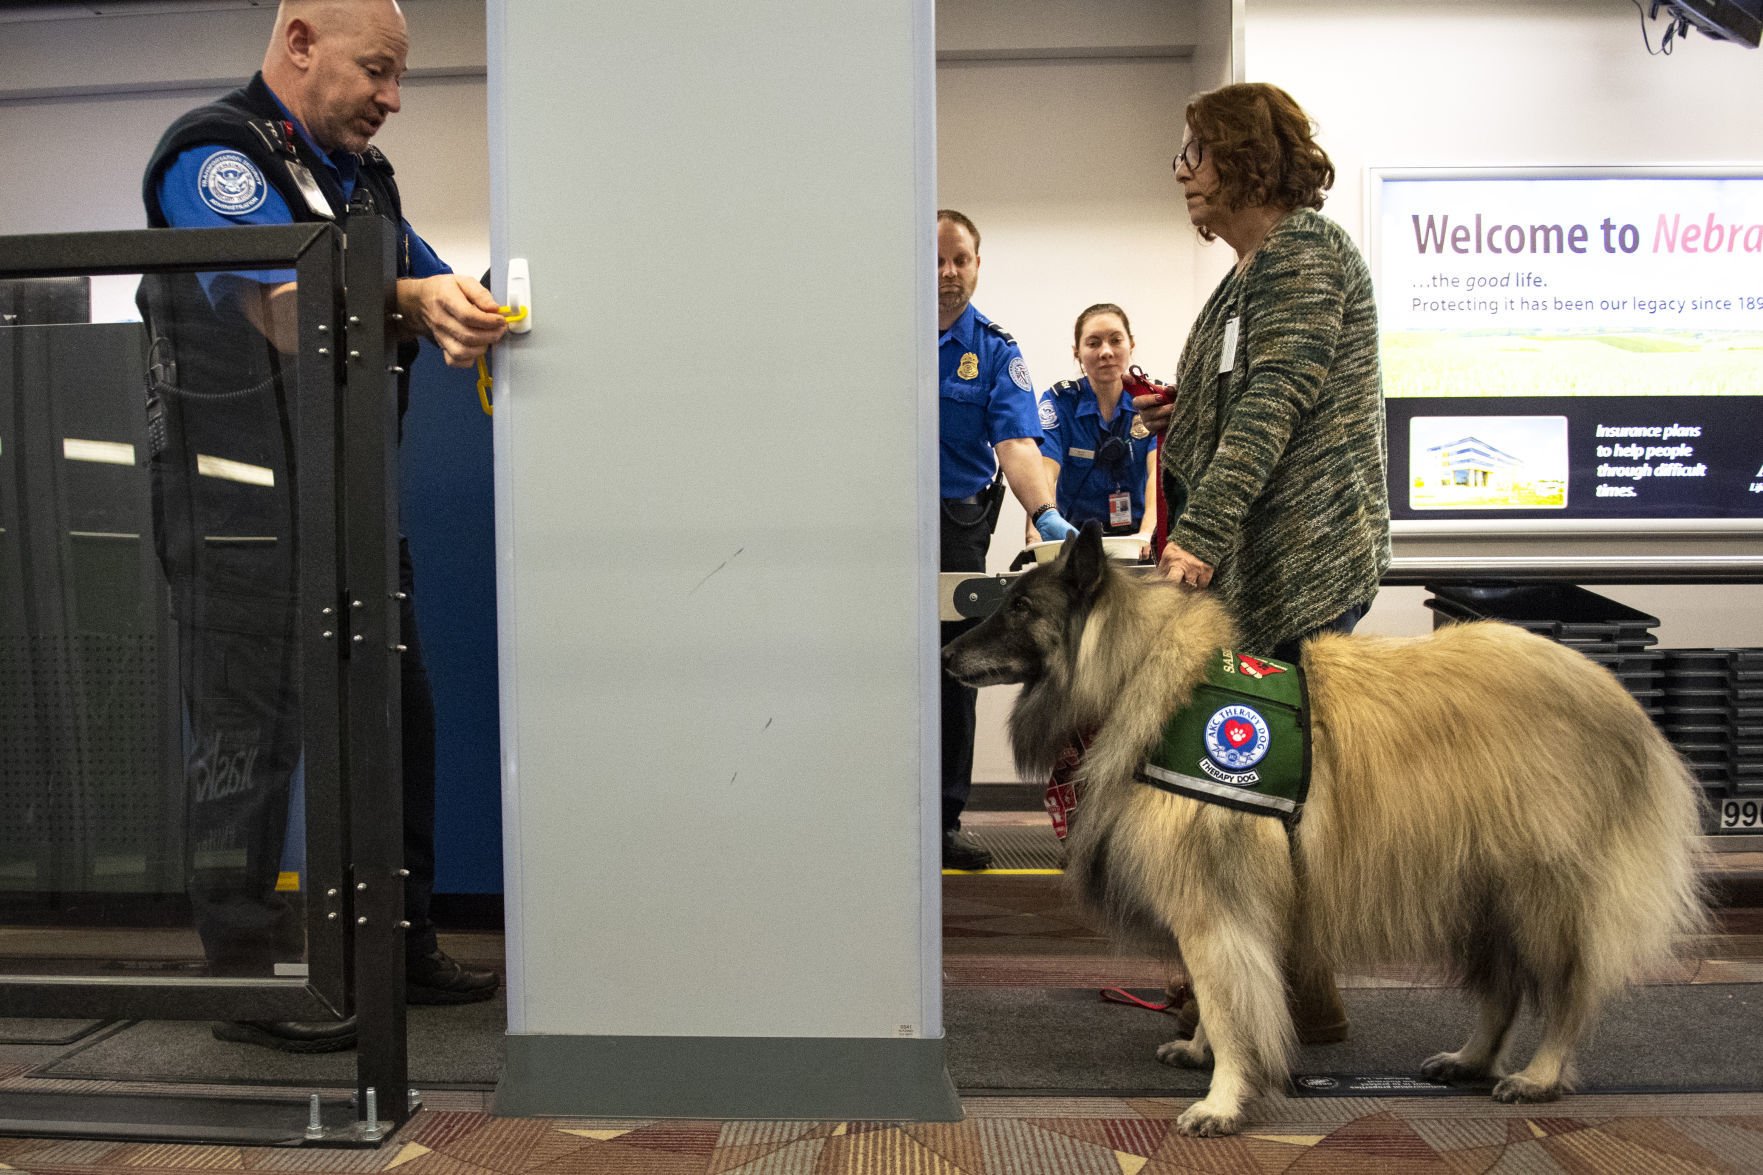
1119 995
1064 789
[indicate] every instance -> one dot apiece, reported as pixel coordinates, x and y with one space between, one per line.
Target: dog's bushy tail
1653 891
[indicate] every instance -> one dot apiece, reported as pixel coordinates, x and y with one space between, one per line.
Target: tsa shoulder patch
231 184
1049 411
1243 741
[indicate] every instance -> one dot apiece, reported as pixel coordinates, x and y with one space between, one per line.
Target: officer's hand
1154 412
1052 527
456 312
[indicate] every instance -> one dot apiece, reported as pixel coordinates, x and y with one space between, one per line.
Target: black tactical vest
210 351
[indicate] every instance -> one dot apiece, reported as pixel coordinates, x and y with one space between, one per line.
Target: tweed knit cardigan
1275 466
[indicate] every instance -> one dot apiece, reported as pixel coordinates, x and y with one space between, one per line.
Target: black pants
227 547
965 533
1287 651
418 724
242 747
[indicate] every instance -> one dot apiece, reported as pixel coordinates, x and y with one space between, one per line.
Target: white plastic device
520 294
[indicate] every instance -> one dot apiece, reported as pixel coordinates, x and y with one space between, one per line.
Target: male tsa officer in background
989 424
290 146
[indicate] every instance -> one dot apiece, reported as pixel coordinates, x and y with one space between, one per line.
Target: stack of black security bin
1614 635
1709 702
1714 716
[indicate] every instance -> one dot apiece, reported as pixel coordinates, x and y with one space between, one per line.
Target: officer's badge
969 367
1049 414
1019 374
230 184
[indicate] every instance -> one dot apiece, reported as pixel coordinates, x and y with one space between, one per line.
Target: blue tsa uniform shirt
1097 459
212 186
985 396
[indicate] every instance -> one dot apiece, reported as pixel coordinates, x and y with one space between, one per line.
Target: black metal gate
200 808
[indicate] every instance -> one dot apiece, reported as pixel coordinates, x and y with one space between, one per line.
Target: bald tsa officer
292 146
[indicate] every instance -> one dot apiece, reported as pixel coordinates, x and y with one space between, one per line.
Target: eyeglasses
1193 152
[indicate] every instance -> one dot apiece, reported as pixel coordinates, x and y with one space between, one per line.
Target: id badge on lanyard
1119 508
309 189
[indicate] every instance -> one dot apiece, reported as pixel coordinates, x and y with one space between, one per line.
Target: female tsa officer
1101 465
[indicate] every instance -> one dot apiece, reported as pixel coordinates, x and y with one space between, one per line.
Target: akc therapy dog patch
1243 741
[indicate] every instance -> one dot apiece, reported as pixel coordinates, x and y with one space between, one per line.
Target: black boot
961 853
438 978
290 1036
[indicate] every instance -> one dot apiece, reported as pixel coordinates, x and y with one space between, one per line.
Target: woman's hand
1154 412
1182 567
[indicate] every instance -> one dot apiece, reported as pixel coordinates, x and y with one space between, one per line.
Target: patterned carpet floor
1002 931
1010 1136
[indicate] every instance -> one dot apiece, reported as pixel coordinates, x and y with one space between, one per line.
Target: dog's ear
1085 563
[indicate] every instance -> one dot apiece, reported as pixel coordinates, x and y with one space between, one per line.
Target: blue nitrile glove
1052 527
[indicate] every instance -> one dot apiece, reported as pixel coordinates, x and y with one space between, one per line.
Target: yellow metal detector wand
484 381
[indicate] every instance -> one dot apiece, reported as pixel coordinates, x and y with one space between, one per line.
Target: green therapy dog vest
1242 741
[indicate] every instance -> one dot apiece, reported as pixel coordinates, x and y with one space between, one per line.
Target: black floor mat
1018 846
1004 1040
460 1045
15 1030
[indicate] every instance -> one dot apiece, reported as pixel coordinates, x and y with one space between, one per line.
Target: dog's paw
1449 1067
1519 1088
1205 1119
1184 1054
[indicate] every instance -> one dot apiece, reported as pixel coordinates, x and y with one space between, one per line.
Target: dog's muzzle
960 665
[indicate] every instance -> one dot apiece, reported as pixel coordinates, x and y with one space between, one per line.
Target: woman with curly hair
1273 453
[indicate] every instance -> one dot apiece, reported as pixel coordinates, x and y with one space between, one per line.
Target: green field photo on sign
1499 363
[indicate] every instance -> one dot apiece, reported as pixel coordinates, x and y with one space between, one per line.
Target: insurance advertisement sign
1575 344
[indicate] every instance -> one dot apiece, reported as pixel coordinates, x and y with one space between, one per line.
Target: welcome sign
1572 343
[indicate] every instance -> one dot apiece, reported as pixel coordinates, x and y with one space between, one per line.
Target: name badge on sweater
1227 355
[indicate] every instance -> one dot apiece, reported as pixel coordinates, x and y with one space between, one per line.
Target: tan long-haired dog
1481 799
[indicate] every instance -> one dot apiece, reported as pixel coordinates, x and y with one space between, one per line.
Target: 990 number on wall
1747 814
